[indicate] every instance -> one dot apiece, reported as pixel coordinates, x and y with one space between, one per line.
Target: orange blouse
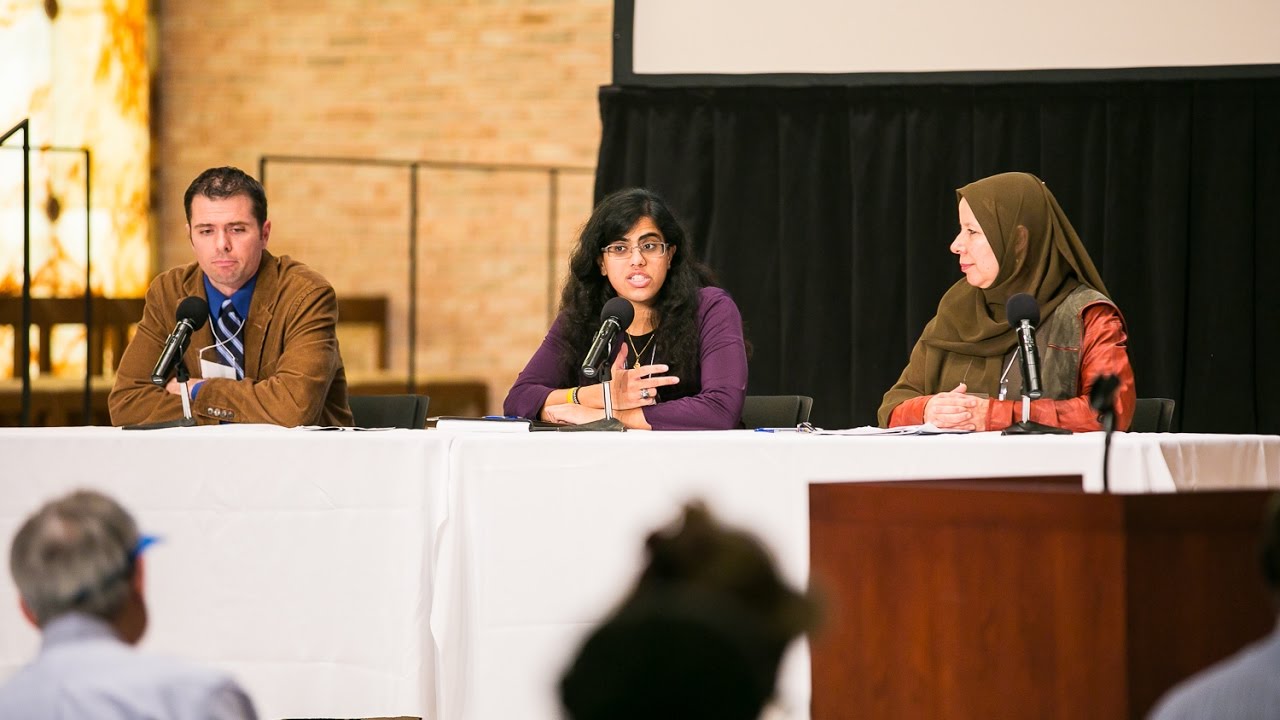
1102 351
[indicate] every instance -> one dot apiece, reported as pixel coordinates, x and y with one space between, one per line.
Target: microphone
1024 314
192 313
1102 397
616 315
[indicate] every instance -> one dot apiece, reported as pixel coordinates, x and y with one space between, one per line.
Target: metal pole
427 164
553 178
413 278
88 289
88 310
24 358
555 171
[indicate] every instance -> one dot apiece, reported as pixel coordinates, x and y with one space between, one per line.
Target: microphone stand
1102 397
184 377
606 381
608 423
1027 426
1030 389
1108 428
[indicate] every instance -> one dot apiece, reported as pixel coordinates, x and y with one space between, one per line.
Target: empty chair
775 410
1152 415
390 411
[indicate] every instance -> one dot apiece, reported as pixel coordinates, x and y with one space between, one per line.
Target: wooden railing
113 319
57 401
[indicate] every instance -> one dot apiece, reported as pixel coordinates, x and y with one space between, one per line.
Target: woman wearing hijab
683 362
1014 238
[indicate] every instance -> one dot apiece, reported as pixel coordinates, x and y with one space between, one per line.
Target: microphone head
1022 307
1102 396
194 310
621 310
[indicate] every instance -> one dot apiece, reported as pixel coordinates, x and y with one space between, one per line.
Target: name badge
210 370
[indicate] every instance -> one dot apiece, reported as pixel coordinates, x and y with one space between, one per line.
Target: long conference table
452 575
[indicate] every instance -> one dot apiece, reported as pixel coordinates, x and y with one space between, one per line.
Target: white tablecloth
299 561
452 575
551 526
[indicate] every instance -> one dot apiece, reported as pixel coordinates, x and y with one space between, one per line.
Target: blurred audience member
78 566
700 636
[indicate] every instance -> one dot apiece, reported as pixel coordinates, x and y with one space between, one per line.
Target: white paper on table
925 429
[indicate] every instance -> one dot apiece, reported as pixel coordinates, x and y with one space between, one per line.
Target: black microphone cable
1102 397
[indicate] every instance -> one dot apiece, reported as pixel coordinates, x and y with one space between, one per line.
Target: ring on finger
644 393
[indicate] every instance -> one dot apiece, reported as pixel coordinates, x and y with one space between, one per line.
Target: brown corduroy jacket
293 369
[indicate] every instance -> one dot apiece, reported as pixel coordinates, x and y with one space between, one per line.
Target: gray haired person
78 566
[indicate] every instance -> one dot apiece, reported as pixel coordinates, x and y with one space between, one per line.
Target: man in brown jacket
268 354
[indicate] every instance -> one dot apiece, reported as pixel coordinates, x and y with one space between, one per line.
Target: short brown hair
223 182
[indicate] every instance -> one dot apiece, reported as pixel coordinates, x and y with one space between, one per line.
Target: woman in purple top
682 364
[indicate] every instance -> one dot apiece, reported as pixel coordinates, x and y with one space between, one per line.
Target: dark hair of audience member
700 636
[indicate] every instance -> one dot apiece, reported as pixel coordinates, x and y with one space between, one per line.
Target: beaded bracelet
573 395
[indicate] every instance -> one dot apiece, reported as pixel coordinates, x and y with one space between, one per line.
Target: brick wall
482 81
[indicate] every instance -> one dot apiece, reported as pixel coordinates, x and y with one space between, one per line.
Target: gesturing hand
957 410
637 387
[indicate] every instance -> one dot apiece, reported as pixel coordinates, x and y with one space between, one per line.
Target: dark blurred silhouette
700 636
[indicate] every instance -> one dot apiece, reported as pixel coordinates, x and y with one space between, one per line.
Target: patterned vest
1058 339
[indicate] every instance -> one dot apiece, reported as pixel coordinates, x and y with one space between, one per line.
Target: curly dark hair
221 183
676 304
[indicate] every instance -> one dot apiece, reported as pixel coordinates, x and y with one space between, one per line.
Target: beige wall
487 81
853 36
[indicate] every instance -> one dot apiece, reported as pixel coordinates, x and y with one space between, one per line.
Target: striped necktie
228 331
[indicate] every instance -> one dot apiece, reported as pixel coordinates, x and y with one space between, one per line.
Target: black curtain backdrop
827 213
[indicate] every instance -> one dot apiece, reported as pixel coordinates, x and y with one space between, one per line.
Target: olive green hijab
970 336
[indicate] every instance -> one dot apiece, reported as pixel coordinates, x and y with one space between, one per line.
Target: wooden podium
1025 598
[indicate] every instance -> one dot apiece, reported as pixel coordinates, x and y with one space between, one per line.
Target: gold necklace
640 352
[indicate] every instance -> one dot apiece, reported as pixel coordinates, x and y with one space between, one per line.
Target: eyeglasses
648 249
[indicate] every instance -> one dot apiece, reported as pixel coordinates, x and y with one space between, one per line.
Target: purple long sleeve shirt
715 402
